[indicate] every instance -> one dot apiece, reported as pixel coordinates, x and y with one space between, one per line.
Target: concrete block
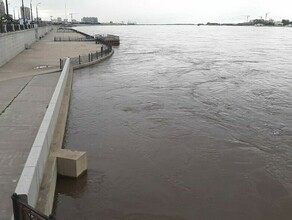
33 157
71 163
41 139
29 184
48 126
37 158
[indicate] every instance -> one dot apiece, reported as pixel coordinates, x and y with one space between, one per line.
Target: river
183 123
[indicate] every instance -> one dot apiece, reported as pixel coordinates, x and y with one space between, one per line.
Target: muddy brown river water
184 123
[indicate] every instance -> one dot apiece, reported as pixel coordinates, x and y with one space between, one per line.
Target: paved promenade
25 92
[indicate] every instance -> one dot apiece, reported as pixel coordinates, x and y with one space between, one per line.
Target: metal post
7 11
23 13
14 13
31 15
79 59
14 198
96 55
89 57
52 217
37 12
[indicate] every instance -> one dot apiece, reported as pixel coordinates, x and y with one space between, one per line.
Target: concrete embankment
29 110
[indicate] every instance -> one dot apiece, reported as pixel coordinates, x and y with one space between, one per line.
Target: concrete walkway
44 53
25 92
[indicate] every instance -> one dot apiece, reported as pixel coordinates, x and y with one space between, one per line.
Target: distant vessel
113 40
131 23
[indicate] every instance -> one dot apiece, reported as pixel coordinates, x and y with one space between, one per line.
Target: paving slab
9 90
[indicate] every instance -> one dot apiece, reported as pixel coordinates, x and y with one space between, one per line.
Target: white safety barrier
31 178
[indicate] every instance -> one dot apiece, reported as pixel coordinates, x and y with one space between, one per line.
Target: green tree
5 19
285 22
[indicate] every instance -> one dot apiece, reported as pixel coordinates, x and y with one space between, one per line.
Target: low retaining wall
30 180
13 43
87 60
42 31
79 66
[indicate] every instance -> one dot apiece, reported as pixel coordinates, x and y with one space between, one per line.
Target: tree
5 19
285 22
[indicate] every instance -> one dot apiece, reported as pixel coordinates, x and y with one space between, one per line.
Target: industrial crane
247 17
267 15
71 14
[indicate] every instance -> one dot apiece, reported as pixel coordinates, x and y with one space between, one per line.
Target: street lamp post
37 12
23 17
7 11
31 15
14 12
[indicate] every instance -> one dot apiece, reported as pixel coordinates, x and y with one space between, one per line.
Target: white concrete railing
31 178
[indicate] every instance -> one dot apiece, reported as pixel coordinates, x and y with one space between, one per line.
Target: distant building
26 13
279 23
90 20
38 19
59 19
2 8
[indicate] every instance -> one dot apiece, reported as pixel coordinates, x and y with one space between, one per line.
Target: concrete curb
75 67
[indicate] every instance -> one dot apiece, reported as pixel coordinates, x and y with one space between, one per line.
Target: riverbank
27 84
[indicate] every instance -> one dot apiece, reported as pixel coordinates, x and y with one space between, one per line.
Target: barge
113 40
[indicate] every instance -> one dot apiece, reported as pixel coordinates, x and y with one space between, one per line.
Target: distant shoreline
181 24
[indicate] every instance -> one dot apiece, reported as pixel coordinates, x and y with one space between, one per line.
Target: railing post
52 217
89 57
61 64
79 60
96 55
22 210
14 198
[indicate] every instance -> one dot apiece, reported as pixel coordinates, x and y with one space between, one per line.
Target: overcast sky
161 11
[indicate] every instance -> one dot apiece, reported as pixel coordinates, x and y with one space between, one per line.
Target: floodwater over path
185 123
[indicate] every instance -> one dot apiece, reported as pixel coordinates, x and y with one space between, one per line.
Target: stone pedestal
71 163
